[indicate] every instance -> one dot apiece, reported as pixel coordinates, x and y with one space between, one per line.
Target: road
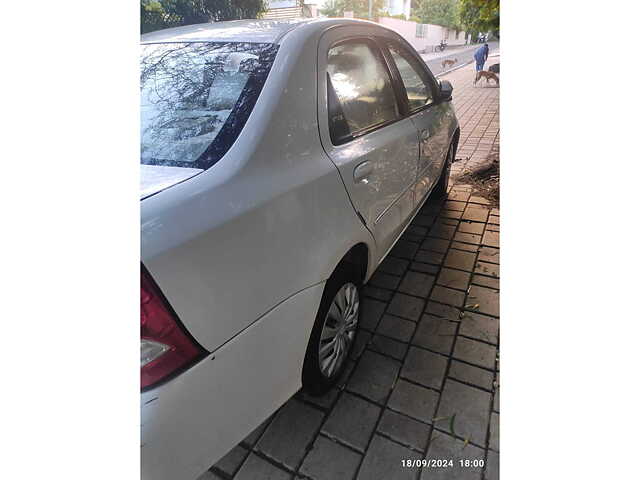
463 56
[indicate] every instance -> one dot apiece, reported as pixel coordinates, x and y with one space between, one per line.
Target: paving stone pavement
423 379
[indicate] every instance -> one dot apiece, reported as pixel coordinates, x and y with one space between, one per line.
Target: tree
480 16
152 16
333 8
360 8
438 12
157 14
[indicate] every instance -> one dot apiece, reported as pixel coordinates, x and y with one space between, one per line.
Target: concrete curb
453 51
462 65
453 69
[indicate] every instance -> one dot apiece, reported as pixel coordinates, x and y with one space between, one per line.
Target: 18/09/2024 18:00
442 463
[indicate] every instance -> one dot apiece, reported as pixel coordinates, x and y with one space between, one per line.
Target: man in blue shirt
481 56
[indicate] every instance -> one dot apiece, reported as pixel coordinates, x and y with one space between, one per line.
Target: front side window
419 91
196 97
359 90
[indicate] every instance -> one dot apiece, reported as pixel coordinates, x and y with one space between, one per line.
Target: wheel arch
455 139
352 267
358 259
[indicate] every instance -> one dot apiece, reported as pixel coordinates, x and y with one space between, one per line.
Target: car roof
258 31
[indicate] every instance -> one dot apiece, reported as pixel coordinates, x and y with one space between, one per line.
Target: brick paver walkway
477 109
427 350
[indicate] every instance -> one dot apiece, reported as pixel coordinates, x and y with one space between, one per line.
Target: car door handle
362 171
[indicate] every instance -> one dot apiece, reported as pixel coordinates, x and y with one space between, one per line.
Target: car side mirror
446 89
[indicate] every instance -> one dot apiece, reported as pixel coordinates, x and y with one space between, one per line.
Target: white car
280 162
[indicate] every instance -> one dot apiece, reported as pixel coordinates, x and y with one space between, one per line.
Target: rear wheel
440 190
333 333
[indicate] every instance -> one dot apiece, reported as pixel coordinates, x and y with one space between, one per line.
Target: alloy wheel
339 330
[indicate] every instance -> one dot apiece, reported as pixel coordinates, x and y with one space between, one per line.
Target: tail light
165 347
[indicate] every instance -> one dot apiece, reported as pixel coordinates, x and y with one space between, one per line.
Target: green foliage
360 8
332 9
158 14
438 12
480 16
152 6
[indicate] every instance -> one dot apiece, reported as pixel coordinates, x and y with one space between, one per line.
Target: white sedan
280 162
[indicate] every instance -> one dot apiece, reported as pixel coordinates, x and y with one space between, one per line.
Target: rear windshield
196 97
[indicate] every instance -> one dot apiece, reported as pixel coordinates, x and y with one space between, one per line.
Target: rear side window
196 98
360 93
415 80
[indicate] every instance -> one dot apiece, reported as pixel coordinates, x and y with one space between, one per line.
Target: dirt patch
485 178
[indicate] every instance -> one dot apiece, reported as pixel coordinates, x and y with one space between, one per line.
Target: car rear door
365 131
430 118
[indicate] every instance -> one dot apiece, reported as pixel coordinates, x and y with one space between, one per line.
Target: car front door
429 116
366 133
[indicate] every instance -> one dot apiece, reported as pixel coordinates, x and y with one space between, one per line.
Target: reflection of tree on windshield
189 92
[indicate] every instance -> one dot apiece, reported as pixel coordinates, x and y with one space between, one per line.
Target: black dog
495 68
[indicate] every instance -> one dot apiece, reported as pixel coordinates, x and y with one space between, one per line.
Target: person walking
481 56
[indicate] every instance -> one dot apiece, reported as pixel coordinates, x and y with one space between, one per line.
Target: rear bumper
196 418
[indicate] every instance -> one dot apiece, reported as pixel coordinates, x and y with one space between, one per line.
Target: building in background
398 7
424 36
285 9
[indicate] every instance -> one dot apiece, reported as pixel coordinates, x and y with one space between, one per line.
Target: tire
440 190
344 288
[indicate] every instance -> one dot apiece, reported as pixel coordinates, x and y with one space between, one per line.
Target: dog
446 63
487 76
495 68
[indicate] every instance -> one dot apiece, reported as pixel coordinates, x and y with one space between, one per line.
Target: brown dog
446 63
487 76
